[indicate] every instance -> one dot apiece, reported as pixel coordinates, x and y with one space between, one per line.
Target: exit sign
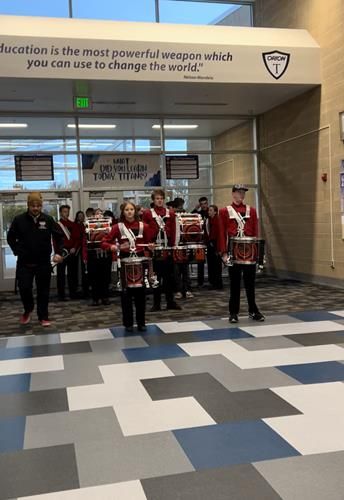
82 102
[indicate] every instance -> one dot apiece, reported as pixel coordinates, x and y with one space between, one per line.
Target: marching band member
131 234
80 223
99 264
162 222
240 220
203 210
71 244
212 229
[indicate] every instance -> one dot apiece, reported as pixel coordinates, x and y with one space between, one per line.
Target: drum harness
233 214
161 225
127 233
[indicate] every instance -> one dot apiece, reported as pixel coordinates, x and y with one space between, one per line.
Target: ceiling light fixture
90 125
176 126
13 125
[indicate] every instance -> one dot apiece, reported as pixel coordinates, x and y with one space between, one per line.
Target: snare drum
134 271
180 254
243 250
96 230
197 254
162 253
191 227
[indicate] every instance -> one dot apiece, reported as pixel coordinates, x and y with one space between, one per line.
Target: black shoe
105 302
233 318
95 303
173 307
257 316
155 309
129 329
141 328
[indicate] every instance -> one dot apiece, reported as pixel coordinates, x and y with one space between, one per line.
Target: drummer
162 222
130 233
240 220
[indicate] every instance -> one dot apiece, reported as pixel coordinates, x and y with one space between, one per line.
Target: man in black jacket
30 237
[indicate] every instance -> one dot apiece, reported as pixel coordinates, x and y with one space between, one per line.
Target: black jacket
30 240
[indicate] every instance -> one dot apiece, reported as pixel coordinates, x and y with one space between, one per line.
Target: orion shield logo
276 62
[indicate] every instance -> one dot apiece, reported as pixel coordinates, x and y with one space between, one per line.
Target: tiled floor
187 410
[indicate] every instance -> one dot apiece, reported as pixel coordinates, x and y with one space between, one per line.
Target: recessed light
90 125
176 126
13 125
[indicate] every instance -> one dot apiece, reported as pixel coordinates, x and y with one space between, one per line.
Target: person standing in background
71 243
202 209
212 230
30 238
80 223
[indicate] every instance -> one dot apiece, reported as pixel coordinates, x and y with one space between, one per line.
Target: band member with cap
131 234
71 243
239 220
30 238
203 209
162 222
212 228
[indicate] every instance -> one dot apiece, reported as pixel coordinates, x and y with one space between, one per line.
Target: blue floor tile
119 331
15 353
232 443
154 352
222 334
12 434
315 316
315 373
15 383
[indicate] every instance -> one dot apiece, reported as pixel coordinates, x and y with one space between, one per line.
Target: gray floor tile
221 404
116 344
321 338
33 403
33 472
240 482
228 374
56 349
311 477
31 340
130 458
98 424
257 344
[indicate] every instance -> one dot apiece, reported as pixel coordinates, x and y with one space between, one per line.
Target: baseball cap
239 187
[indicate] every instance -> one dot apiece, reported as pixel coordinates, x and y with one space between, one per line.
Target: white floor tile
292 328
260 359
123 390
31 365
130 490
100 334
187 326
337 313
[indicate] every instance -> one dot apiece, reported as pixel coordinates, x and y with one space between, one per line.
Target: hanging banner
121 171
94 50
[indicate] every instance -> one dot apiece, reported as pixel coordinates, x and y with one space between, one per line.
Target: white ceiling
142 99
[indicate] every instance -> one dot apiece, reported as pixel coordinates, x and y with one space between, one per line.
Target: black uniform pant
42 275
214 267
164 270
182 278
138 296
99 273
71 263
249 274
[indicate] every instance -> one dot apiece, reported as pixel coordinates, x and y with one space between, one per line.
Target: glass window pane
119 10
192 12
58 8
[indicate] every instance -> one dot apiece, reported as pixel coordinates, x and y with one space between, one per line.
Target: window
118 10
215 13
58 8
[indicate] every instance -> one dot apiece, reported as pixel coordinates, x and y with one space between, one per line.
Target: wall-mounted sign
182 167
34 168
121 171
82 103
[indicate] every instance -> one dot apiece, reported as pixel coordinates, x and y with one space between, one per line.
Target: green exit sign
82 102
